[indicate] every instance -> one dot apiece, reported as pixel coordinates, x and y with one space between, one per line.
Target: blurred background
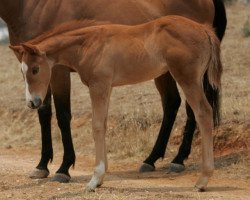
4 38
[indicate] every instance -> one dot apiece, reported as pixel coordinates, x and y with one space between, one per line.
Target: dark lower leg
45 114
188 133
61 92
163 137
64 118
171 102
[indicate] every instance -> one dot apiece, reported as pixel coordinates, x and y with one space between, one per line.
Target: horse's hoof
61 178
177 168
146 168
39 174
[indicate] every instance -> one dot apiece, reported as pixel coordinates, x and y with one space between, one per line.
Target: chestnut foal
112 55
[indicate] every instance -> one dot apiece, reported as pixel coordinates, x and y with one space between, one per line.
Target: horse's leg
171 101
196 98
177 165
100 94
44 114
60 85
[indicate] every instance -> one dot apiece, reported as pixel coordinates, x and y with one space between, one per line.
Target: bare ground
135 115
121 182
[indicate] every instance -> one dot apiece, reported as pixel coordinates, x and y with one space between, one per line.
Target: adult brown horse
28 18
106 56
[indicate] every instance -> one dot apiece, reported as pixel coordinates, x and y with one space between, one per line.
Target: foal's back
143 52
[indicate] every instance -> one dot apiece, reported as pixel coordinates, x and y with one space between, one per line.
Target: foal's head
36 72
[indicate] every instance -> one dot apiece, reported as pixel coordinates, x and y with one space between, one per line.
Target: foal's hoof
61 178
199 189
39 174
201 184
146 168
177 168
89 188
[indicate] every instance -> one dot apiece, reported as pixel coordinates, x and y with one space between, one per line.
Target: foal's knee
98 130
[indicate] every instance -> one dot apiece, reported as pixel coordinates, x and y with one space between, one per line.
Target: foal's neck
62 49
59 42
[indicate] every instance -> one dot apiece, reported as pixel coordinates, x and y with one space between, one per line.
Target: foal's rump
191 46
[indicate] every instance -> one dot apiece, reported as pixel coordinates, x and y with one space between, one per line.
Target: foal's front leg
100 94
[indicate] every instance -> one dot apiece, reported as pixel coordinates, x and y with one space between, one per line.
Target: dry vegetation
135 115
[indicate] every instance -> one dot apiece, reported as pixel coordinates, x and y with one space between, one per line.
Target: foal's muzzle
36 102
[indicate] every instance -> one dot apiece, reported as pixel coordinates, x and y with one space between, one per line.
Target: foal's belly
133 59
136 74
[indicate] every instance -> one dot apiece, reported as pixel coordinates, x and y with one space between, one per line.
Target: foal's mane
66 27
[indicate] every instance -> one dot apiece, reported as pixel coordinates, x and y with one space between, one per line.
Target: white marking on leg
97 177
24 68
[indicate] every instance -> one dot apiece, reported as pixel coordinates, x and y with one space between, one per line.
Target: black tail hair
219 25
220 18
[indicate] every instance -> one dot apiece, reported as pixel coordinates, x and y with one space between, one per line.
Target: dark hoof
39 174
146 168
177 168
61 178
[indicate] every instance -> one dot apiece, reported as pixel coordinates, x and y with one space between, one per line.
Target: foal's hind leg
204 116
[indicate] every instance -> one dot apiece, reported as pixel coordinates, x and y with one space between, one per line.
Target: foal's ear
32 49
18 50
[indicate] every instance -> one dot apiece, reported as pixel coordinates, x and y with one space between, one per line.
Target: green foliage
246 28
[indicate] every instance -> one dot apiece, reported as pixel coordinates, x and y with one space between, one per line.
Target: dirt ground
228 182
134 120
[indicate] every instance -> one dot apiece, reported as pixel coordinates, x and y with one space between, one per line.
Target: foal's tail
213 94
214 66
212 77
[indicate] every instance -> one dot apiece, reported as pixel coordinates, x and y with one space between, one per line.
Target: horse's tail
213 94
213 74
220 18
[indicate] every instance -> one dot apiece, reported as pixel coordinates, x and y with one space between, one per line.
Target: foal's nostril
35 103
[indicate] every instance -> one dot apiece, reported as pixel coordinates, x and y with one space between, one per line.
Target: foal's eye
35 70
